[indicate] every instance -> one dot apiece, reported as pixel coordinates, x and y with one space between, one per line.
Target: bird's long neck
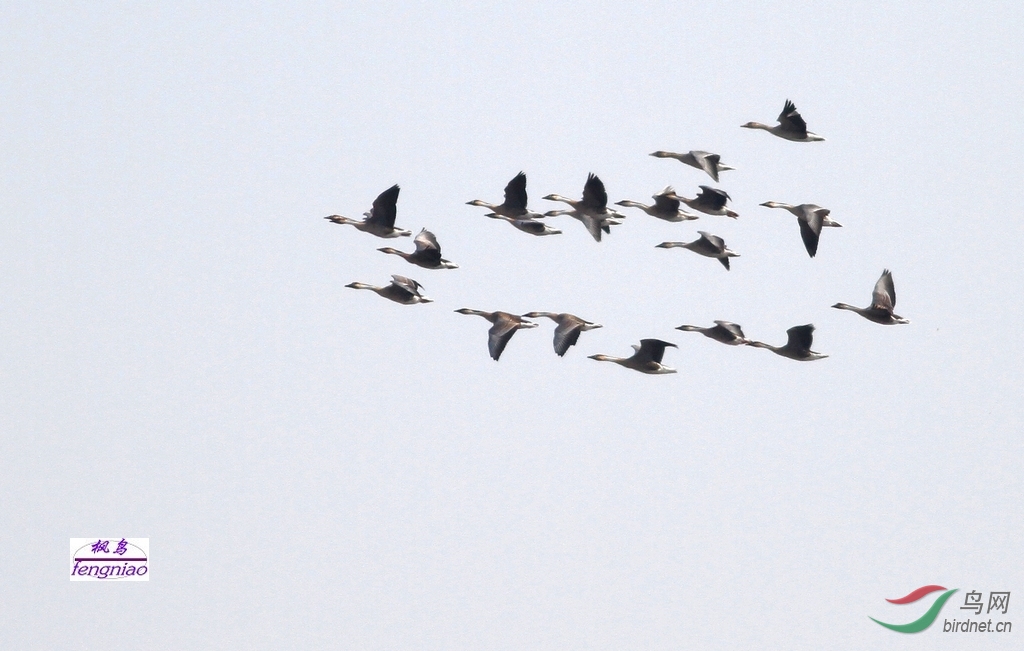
633 204
852 308
558 197
392 251
338 219
364 286
482 204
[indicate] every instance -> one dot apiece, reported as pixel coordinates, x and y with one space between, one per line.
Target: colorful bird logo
925 620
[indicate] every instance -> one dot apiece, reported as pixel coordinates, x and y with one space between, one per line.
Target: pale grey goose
592 209
666 206
702 160
811 218
791 126
883 302
401 290
708 245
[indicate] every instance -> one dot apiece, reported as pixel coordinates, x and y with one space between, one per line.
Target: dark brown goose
646 358
515 202
567 333
710 201
723 331
427 253
592 209
504 326
791 126
798 347
380 221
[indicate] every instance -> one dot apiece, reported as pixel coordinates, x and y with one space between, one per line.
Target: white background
321 468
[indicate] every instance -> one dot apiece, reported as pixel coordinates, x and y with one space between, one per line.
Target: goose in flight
883 301
708 245
427 253
710 201
702 160
380 221
791 126
514 205
666 206
798 347
401 290
531 226
568 331
646 358
723 331
504 326
592 209
811 218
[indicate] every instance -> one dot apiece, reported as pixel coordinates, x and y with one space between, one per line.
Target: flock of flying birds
593 211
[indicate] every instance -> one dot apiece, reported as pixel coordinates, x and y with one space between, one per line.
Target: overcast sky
317 467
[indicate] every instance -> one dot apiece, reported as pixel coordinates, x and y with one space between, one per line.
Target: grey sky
316 467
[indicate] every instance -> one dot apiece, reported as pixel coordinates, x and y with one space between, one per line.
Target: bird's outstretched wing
385 208
515 193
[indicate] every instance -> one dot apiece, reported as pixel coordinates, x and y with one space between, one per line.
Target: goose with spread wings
380 220
883 302
666 206
567 333
710 163
798 346
592 209
708 245
514 205
646 357
791 126
504 325
711 201
811 218
427 253
401 290
723 331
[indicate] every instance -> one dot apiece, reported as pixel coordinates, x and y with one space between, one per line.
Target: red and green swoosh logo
925 620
